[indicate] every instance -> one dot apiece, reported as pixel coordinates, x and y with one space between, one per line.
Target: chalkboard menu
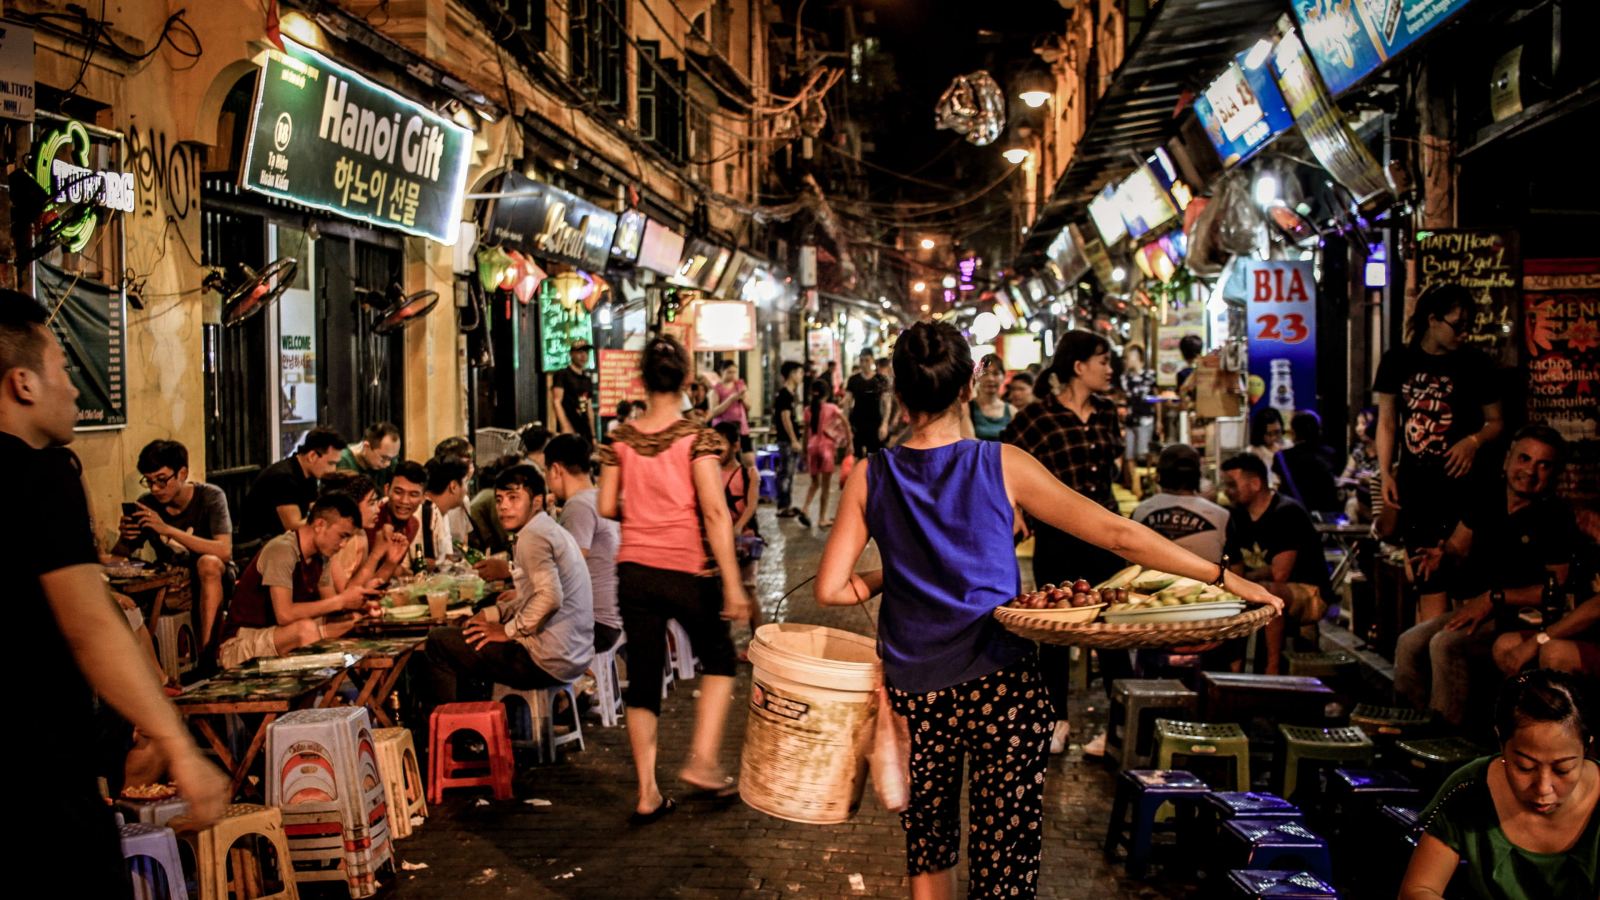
1488 264
1561 327
89 323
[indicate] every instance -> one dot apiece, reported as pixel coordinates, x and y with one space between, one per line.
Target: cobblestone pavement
579 845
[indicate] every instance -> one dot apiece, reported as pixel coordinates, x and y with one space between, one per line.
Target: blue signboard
1243 108
1282 310
1350 38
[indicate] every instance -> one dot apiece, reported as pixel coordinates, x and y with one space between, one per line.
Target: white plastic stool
608 684
541 735
147 849
680 652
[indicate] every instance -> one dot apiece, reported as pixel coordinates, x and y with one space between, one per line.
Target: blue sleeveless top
943 528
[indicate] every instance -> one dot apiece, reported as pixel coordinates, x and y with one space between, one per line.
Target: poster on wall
89 322
1561 319
1187 319
620 378
1487 263
1282 313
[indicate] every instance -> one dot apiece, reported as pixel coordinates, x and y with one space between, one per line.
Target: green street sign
326 137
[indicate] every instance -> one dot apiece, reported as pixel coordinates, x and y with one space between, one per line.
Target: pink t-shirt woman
735 411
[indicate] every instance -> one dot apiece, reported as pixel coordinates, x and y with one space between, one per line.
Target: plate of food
149 792
409 613
126 568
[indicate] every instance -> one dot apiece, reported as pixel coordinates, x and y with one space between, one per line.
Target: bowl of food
1076 602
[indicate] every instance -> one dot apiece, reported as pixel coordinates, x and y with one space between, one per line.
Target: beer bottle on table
1553 603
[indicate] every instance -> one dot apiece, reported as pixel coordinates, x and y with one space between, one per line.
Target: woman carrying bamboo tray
941 510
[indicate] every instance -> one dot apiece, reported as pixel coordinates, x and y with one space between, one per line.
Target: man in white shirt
1178 513
445 492
569 469
541 632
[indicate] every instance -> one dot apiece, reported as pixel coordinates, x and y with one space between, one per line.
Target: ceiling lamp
1016 155
927 244
1034 86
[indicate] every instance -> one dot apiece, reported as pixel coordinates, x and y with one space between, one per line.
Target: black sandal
728 789
638 819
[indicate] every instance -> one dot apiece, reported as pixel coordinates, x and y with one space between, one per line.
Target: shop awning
1182 46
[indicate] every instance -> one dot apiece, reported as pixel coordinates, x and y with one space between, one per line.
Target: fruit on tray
1148 589
1065 596
1121 579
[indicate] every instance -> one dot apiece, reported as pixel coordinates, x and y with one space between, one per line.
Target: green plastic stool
1334 746
1394 723
1320 665
1433 760
1177 740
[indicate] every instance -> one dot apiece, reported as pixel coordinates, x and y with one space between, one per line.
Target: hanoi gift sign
1282 307
324 136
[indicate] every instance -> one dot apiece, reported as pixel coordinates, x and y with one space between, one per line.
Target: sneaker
1096 746
804 521
789 513
1058 738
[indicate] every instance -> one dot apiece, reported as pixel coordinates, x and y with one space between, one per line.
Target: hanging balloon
973 105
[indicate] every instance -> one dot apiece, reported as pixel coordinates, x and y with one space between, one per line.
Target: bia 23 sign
1282 311
324 136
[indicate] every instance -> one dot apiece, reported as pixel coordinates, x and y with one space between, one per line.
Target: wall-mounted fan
39 223
404 309
246 291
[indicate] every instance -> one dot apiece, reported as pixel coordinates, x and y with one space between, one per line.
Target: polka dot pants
999 725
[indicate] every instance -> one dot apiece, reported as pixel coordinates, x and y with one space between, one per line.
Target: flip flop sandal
638 819
727 789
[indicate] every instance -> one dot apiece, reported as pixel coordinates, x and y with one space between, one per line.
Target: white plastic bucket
813 705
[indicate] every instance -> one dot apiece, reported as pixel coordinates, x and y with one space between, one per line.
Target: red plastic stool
487 719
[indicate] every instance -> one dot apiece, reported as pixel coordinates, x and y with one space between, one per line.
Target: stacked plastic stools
1225 806
1135 705
152 812
1321 749
608 684
227 862
176 647
1388 724
1327 666
403 789
151 852
1276 844
322 772
1140 795
1358 793
1182 743
680 652
488 719
532 721
1240 697
1431 760
1274 884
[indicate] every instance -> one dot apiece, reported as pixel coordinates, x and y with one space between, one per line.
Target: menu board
1485 262
620 378
1561 329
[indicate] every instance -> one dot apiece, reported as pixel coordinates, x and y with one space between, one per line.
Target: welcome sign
327 137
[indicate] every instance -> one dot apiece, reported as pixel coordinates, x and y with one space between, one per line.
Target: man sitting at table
185 522
398 516
444 493
359 560
284 491
541 632
1271 540
1498 557
570 474
375 456
277 606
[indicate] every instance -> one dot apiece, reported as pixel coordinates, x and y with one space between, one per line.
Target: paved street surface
579 845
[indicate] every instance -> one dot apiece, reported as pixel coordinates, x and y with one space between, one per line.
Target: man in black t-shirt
868 405
1497 558
572 391
79 643
282 494
1272 540
786 420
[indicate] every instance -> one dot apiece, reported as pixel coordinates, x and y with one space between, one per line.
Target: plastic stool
175 643
151 812
1387 724
1432 760
488 719
769 486
1185 740
1140 794
541 732
1359 791
608 684
1225 806
213 847
151 852
1278 844
403 790
1275 884
1320 665
1240 697
1135 705
1320 745
680 652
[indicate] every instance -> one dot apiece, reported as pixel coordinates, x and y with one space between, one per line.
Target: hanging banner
325 136
1282 311
16 72
1350 38
1488 264
1242 109
90 324
548 222
1561 319
1321 121
620 378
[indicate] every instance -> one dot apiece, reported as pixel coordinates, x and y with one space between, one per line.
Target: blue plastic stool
1140 794
1277 844
769 486
1359 791
151 852
1225 806
1261 884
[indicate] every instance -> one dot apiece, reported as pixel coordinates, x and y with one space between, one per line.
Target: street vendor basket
1131 636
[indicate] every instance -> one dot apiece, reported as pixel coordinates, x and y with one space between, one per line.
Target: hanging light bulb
602 315
1016 155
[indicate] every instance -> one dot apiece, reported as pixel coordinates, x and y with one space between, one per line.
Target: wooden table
251 692
153 583
380 660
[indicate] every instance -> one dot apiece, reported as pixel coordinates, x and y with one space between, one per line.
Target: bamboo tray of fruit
1134 608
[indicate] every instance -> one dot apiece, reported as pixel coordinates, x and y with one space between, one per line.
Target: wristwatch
1541 638
1222 571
